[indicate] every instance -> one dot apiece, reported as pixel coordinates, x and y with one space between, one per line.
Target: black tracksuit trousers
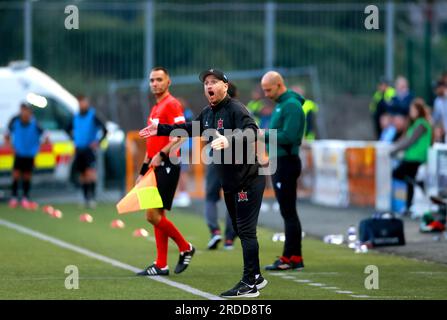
284 183
407 171
243 207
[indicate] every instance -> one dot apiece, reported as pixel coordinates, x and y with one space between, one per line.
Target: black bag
381 231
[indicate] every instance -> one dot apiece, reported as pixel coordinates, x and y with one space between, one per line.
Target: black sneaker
278 265
241 290
297 266
281 265
215 239
260 282
153 270
184 260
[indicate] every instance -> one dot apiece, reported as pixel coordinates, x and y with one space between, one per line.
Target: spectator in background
310 109
388 130
212 197
23 135
440 112
379 103
266 115
84 130
400 123
400 103
415 144
443 77
256 104
399 107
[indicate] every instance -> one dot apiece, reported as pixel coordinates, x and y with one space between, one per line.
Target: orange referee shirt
168 111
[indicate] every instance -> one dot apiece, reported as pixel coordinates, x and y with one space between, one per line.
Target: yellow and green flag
144 195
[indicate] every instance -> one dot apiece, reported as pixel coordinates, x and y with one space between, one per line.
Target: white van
54 108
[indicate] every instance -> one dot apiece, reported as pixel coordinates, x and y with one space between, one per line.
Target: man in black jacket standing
228 126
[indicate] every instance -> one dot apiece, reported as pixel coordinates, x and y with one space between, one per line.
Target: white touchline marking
320 285
320 273
399 297
105 259
429 272
316 284
80 278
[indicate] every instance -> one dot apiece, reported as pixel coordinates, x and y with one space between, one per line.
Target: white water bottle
352 237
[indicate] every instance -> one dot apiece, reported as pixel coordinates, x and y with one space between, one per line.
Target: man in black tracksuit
238 171
288 120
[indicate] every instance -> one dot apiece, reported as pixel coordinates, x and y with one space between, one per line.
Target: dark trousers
243 207
284 183
407 171
213 187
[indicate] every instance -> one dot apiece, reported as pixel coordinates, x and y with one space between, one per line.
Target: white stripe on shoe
262 284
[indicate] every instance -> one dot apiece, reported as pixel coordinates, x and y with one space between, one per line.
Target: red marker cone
141 233
85 217
117 224
56 214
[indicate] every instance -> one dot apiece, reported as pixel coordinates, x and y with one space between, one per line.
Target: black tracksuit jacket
228 114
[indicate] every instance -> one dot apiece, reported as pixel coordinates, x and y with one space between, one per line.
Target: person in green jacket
288 120
415 144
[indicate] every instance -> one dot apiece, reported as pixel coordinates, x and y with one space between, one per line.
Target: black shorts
167 176
24 164
84 159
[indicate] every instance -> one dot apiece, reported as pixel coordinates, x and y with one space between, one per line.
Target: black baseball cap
217 73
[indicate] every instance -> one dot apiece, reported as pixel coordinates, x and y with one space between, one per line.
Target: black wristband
163 155
144 168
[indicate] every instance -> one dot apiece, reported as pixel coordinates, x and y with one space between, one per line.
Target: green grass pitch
31 268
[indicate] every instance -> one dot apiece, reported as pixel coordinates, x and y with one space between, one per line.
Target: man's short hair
81 97
25 105
161 69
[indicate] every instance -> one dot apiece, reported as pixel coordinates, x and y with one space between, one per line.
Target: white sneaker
215 239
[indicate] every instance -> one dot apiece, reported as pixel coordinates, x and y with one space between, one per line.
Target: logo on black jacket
242 196
220 124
